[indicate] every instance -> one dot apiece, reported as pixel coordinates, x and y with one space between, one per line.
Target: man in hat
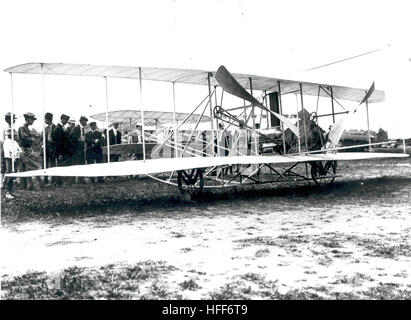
94 141
26 139
114 138
7 117
62 143
71 125
77 137
50 143
71 147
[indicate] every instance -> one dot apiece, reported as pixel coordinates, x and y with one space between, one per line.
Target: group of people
65 144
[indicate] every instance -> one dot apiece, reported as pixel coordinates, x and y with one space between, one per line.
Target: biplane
225 145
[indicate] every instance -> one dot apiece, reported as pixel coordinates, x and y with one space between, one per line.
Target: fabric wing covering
155 166
198 77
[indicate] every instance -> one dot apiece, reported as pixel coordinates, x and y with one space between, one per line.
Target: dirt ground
138 240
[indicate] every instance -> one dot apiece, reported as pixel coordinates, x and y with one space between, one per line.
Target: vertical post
13 156
216 123
280 104
245 113
211 113
253 116
303 116
129 133
368 126
404 146
245 131
107 135
267 113
142 114
42 115
332 103
175 122
298 126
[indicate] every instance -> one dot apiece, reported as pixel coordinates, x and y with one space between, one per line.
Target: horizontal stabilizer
337 129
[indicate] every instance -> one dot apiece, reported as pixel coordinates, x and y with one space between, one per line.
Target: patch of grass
157 290
392 251
283 241
191 285
383 249
293 239
355 280
262 253
344 296
325 260
262 240
107 282
388 291
75 284
267 289
329 243
32 285
77 200
253 277
177 235
236 290
298 294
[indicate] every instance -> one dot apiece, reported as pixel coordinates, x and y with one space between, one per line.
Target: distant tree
382 135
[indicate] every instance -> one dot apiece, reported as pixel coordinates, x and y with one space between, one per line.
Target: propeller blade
337 129
231 85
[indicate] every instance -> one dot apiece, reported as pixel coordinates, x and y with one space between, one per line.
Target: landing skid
193 181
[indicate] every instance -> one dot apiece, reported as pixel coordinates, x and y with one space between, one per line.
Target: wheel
190 182
323 172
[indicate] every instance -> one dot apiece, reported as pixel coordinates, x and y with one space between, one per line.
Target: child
10 146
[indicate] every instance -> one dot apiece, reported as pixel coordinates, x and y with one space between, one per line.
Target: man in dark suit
50 143
62 141
78 144
94 141
62 144
71 147
78 136
114 138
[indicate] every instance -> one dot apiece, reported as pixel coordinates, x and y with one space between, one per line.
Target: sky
270 38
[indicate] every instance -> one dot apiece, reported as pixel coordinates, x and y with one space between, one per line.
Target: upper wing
193 77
